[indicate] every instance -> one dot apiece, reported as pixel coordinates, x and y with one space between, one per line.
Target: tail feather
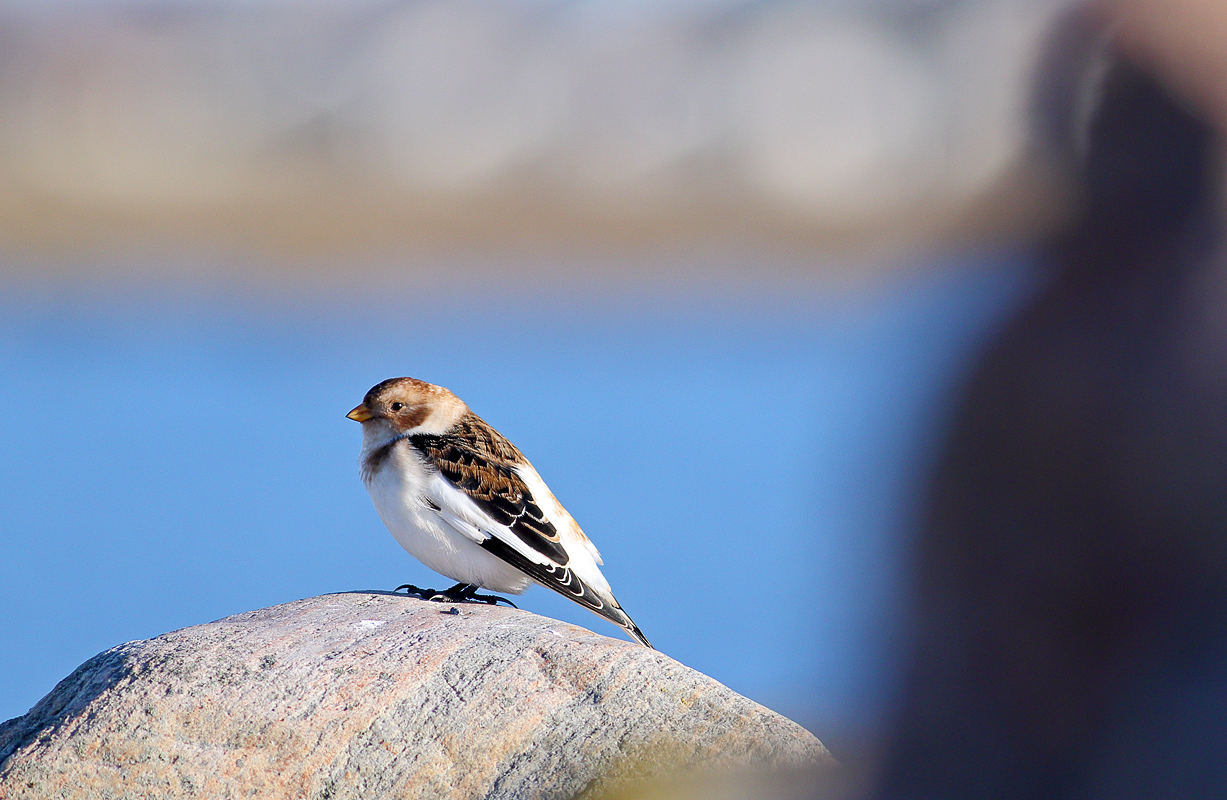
564 581
633 630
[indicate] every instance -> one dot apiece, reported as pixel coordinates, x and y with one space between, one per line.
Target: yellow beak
360 414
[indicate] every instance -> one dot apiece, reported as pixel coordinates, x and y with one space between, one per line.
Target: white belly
397 491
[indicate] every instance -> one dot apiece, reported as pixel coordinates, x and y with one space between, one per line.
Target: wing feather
564 581
476 460
464 526
485 490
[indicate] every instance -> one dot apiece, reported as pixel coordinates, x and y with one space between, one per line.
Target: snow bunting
466 503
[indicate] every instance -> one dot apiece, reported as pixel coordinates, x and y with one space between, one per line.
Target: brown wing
478 461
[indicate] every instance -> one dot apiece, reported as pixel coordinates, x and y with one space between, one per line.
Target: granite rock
365 695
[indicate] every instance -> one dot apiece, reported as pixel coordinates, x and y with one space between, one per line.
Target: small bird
466 502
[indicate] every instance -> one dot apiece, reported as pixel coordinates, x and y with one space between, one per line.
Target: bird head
401 405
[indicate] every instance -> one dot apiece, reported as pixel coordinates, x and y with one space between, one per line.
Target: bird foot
488 599
460 593
467 593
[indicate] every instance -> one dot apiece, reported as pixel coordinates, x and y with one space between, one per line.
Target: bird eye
397 406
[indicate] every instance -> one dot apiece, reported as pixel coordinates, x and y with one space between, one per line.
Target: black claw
491 599
425 594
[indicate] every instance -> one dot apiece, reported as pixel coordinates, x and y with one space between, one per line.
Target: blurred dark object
1071 617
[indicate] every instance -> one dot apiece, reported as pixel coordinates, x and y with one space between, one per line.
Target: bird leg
467 593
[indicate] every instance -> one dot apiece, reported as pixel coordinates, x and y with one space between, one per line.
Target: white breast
399 491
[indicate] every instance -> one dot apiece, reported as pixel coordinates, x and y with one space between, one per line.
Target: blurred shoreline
368 129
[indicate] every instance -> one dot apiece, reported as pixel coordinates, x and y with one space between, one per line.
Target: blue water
746 466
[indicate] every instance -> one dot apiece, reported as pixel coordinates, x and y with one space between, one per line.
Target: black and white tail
564 581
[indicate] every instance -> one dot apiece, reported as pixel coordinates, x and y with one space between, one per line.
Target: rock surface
368 695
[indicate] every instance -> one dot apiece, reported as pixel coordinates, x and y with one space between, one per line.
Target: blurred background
718 268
